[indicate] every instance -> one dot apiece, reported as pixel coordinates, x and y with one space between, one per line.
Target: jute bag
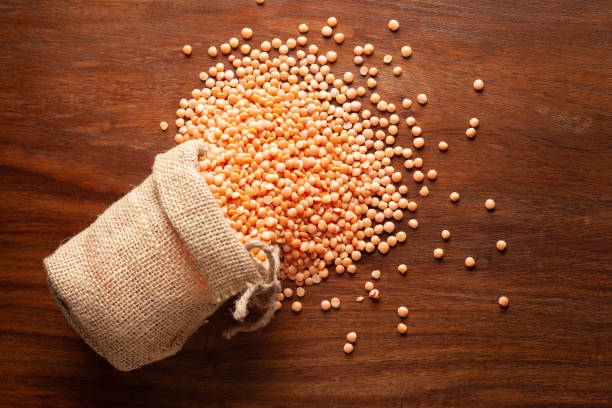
148 272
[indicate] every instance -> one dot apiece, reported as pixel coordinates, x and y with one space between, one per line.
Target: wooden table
84 85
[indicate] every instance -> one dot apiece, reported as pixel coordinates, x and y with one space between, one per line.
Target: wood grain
84 85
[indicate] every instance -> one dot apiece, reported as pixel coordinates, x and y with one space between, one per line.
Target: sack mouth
201 224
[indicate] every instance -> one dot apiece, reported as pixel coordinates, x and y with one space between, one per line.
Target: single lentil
393 25
335 302
246 33
296 306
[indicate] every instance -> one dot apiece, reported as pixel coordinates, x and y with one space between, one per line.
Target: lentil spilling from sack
295 160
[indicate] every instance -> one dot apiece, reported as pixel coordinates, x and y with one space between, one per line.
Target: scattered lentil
446 234
187 50
335 302
406 51
376 274
402 311
348 348
325 305
422 99
402 328
393 25
479 85
470 262
438 253
501 245
490 204
296 306
402 268
454 196
474 122
503 301
246 33
351 337
225 48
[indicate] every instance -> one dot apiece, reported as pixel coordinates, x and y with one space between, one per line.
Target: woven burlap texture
148 272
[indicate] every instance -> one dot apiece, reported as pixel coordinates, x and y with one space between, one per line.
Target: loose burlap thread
156 264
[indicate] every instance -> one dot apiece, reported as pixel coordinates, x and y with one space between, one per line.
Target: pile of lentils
294 160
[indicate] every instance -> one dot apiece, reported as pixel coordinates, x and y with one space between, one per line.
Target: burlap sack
147 273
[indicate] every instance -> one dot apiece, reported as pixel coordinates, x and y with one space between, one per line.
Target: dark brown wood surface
84 85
